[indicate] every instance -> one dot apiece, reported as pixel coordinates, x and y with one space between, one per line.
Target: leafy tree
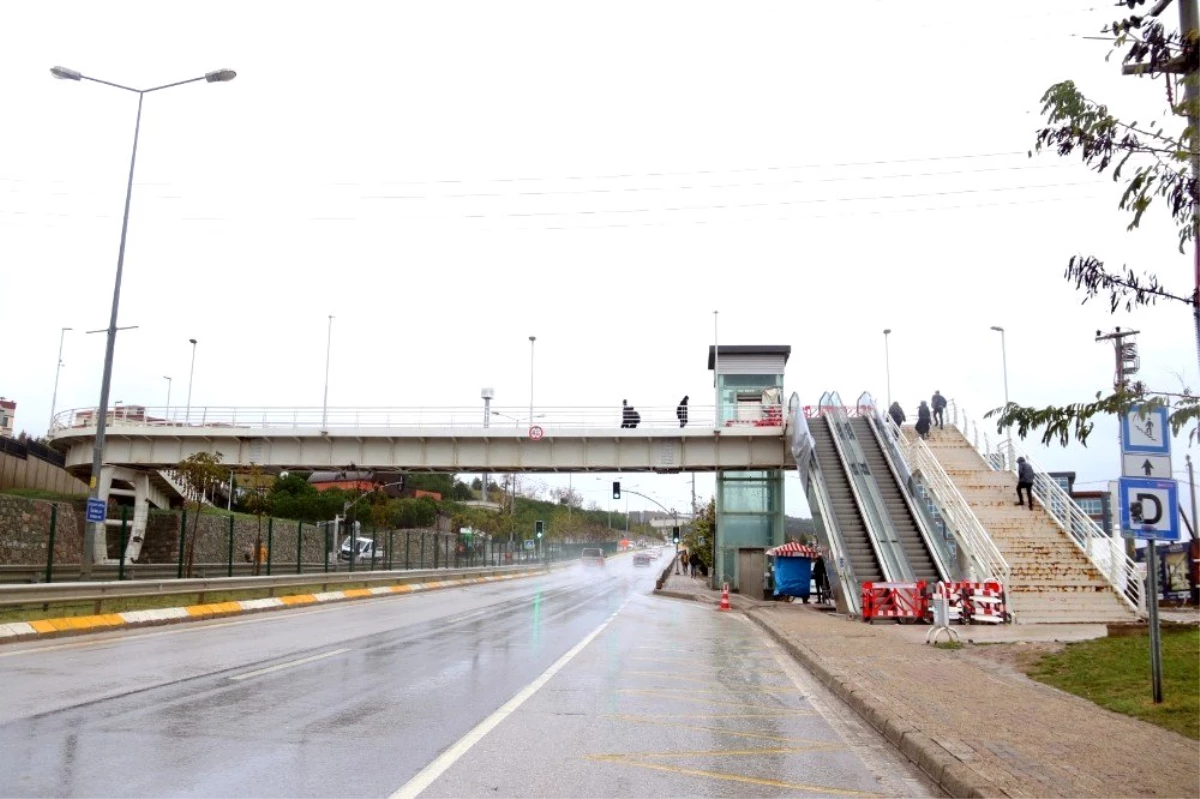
411 513
196 473
701 536
1155 161
258 501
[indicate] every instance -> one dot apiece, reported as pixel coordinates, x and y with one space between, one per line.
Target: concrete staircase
1052 581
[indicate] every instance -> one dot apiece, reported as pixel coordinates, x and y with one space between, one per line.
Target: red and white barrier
900 601
974 603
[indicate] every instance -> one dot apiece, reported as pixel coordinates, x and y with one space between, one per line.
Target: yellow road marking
718 775
824 746
728 686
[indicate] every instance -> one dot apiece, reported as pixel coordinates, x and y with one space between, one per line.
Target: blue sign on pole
1158 504
1146 433
96 510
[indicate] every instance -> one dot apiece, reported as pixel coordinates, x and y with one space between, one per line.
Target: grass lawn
1115 674
37 493
59 611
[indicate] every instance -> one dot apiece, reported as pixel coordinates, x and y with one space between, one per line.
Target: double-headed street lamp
95 535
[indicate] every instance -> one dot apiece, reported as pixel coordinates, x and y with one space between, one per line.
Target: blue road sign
96 510
1148 434
1159 509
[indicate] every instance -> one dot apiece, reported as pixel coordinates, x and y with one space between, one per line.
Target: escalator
847 516
899 510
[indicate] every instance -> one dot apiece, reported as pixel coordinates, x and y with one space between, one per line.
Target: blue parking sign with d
1158 504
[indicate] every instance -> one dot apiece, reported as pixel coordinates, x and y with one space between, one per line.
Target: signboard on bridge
97 510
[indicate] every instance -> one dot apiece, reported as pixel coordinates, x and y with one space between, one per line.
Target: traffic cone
724 598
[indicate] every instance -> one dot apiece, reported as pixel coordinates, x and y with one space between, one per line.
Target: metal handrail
879 528
46 593
817 494
1106 553
984 558
500 423
901 472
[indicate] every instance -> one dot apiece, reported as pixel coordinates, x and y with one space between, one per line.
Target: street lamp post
887 364
486 394
58 368
532 339
187 414
325 402
1004 362
95 537
168 379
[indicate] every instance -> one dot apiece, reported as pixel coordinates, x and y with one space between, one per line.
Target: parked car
592 557
641 559
362 550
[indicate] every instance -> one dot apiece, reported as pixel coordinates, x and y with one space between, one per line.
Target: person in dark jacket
629 417
939 409
897 414
1025 477
923 420
681 412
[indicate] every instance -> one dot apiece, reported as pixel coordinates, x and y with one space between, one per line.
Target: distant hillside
795 526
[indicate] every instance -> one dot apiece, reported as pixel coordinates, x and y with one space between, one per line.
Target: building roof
728 350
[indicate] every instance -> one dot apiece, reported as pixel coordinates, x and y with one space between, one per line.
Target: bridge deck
445 440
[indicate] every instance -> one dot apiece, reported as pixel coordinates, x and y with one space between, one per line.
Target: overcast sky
450 178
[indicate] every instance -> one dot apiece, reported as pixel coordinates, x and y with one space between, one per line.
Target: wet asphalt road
648 696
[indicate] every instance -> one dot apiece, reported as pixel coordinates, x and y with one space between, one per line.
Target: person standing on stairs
939 410
1025 481
923 420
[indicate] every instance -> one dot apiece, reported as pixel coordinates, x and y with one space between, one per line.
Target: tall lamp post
1004 362
532 339
191 373
168 379
95 544
887 364
325 402
54 397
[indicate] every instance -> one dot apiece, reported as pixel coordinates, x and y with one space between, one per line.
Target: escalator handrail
818 494
882 535
935 544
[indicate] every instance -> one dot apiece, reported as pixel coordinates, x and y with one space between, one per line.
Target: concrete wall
25 531
36 473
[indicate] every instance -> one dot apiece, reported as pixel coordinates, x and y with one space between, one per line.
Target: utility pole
1125 353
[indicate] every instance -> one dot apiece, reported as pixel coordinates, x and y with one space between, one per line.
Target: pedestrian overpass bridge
750 436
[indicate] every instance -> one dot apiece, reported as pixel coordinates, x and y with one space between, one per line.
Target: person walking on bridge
681 412
939 410
629 417
1025 477
897 414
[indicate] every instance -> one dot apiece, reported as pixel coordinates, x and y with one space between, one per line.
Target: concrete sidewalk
977 731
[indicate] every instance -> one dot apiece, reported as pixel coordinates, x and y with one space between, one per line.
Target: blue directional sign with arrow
1135 464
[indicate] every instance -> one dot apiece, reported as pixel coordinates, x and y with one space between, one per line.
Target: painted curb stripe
130 618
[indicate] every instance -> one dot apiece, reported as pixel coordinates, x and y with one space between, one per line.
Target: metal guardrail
98 592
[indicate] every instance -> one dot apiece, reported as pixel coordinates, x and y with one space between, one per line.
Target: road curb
951 774
13 632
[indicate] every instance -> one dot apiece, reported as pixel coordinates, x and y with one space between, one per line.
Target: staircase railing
901 472
1106 553
880 530
984 559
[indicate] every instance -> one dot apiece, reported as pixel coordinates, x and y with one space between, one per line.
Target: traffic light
675 535
616 489
538 527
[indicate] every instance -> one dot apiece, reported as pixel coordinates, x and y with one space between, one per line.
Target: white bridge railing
550 419
1107 553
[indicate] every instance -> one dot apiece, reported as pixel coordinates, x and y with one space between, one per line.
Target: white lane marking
288 665
428 775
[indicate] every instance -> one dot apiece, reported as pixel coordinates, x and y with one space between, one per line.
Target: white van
362 550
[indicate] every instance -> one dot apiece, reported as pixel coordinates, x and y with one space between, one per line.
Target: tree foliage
196 473
1075 421
1153 158
701 536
